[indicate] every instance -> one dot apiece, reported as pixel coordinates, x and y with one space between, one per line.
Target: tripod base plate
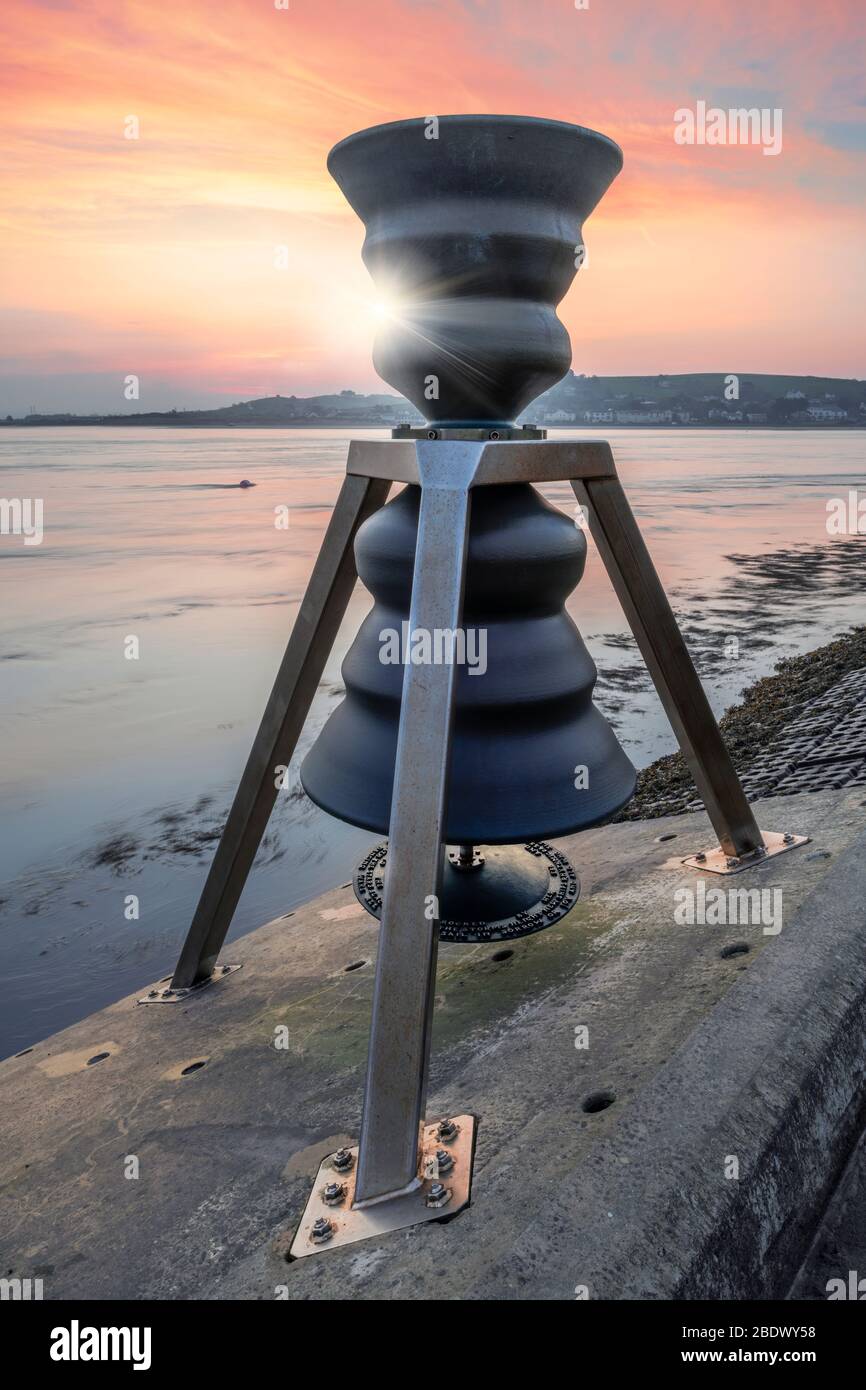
444 1163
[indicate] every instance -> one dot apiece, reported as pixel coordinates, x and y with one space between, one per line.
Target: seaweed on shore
748 727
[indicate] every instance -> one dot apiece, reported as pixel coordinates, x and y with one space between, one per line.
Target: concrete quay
602 1170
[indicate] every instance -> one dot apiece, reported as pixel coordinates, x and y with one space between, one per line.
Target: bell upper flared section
532 758
474 225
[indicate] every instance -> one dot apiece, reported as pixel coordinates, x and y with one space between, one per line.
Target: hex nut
447 1131
322 1231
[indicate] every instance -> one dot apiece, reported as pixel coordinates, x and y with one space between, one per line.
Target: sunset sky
156 256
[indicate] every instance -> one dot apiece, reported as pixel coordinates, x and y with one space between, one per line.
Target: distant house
828 414
643 417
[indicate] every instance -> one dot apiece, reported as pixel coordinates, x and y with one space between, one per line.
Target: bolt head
322 1231
447 1131
343 1160
438 1196
701 857
445 1160
787 838
732 863
334 1193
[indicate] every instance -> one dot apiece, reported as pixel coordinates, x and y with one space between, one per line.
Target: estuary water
140 638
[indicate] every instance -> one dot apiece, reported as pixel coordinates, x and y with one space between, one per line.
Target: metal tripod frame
447 471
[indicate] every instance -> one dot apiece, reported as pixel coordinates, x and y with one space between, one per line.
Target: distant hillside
697 399
703 398
344 408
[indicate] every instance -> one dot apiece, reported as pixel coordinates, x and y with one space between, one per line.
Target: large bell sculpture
474 231
467 732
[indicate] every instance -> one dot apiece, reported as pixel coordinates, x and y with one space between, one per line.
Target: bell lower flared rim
478 831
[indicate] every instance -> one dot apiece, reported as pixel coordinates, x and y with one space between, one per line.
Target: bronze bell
477 236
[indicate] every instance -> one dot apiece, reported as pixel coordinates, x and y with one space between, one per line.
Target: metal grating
824 748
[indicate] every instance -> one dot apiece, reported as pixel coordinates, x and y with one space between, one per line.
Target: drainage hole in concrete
194 1066
672 835
98 1057
356 965
502 955
598 1100
737 948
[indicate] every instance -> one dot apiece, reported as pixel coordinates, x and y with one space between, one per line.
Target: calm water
116 773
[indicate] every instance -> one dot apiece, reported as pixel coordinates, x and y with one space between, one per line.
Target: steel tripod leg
396 1084
313 634
649 613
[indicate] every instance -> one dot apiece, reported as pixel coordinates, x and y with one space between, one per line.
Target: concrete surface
838 1250
756 1055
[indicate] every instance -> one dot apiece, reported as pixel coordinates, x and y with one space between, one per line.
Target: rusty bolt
322 1231
343 1160
438 1196
447 1131
334 1193
732 863
787 838
701 857
445 1160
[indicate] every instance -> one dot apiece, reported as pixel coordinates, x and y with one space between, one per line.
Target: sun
385 308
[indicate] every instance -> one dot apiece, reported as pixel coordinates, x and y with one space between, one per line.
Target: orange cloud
160 254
